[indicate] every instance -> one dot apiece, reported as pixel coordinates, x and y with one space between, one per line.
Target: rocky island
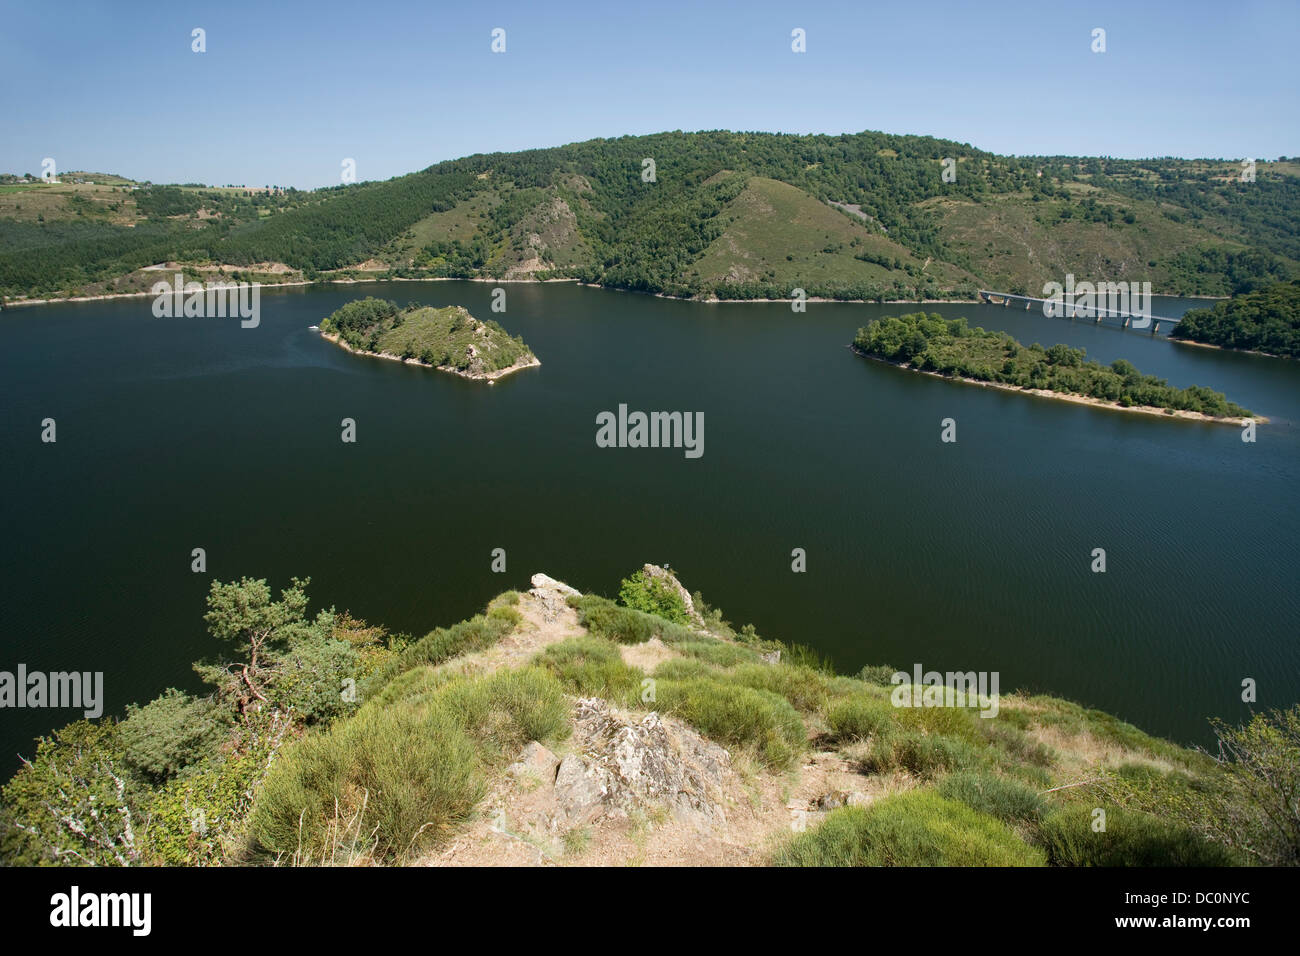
448 339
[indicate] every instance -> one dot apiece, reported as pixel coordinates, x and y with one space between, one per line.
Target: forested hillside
733 215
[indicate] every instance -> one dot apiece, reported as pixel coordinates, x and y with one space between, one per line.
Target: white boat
313 328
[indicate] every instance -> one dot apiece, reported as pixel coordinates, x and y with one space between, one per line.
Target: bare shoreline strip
713 300
528 361
1184 414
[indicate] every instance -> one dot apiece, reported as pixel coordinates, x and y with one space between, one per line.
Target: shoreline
1225 348
1180 413
712 300
489 377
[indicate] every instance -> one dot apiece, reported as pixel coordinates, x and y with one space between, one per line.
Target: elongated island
949 348
448 339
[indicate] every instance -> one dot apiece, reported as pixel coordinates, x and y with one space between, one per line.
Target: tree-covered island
952 349
449 339
1266 320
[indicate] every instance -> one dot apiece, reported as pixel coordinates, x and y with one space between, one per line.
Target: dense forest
642 213
1266 321
950 347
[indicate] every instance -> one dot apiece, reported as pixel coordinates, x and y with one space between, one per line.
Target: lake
175 434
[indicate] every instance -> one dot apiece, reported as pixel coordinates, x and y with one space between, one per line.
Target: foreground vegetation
950 347
733 215
448 338
1267 320
276 765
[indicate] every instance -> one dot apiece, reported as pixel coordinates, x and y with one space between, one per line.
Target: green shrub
190 816
684 668
171 733
592 667
917 828
391 780
802 686
505 710
950 720
1131 838
73 773
624 625
653 595
441 645
717 652
800 655
999 797
858 717
308 678
1020 749
736 715
879 674
919 753
506 614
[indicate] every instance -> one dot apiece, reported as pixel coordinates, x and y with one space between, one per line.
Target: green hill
734 215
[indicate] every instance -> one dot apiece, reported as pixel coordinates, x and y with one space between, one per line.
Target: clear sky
287 90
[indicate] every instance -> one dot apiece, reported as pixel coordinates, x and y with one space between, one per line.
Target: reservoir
974 555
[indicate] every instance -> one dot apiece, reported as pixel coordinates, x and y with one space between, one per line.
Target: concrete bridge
1005 299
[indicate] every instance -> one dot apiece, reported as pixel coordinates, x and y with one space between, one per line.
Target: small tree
1259 810
243 615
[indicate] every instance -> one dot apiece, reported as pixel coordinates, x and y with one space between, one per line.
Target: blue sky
287 90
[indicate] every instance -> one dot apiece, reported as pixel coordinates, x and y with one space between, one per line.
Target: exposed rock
772 657
582 788
551 594
841 798
535 760
629 764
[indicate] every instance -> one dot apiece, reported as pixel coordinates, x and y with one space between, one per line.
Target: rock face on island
448 339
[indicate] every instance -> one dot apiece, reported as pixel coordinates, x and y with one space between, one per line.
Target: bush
989 793
505 710
684 668
1131 838
858 716
391 780
720 653
592 667
189 817
736 715
171 733
919 753
309 678
477 633
880 674
917 828
802 686
653 595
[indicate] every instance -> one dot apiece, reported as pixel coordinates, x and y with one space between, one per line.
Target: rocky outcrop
552 595
628 764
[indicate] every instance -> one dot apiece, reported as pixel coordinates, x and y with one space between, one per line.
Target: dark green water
183 433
